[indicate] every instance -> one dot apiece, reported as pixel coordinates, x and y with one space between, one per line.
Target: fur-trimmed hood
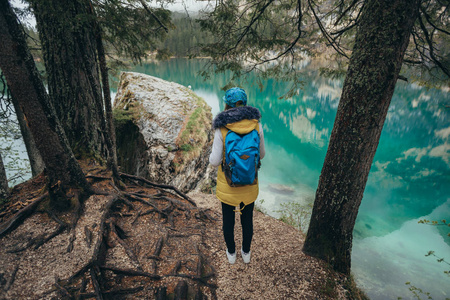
236 114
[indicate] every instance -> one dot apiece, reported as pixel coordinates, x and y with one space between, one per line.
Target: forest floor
278 268
148 242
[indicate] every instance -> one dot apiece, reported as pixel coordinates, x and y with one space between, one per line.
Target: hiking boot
245 256
231 257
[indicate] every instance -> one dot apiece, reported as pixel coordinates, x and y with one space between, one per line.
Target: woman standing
242 119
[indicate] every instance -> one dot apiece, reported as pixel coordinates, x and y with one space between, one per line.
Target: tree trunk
69 49
380 44
36 162
110 138
27 88
4 190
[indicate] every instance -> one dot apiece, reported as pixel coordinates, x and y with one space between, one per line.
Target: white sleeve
262 148
215 158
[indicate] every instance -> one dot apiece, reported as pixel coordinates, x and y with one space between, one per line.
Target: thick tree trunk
69 49
27 88
4 190
36 162
376 60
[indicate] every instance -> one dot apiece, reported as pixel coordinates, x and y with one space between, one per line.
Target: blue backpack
241 158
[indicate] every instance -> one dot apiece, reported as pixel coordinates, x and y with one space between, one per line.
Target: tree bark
27 88
380 44
69 49
110 138
4 190
36 162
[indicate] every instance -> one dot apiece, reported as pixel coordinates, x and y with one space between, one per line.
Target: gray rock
163 131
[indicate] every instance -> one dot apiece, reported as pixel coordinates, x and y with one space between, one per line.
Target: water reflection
384 264
213 99
14 153
409 178
302 127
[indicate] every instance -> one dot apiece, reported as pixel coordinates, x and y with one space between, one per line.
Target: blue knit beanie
234 95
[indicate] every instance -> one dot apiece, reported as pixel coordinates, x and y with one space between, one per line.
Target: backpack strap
224 131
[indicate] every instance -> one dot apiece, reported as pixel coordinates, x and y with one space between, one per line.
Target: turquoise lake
409 178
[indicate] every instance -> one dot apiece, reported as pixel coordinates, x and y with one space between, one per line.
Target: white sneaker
231 257
246 256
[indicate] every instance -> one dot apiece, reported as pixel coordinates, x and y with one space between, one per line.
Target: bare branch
428 18
291 45
249 26
348 27
412 62
429 41
345 12
153 15
325 33
341 31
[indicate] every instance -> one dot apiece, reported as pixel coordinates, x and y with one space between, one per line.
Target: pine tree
27 88
70 57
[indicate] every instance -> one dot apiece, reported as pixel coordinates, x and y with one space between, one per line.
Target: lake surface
409 178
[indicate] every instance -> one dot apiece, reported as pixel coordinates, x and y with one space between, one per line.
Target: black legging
246 222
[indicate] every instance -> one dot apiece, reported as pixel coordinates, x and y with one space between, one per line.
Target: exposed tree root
21 215
95 283
113 293
164 186
158 247
61 289
41 241
97 177
149 262
127 248
176 268
12 279
131 272
137 198
76 217
181 291
54 217
203 272
202 279
100 242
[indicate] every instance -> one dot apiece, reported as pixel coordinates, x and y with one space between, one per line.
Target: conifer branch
153 15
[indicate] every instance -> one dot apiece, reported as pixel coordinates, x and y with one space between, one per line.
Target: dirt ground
278 268
148 242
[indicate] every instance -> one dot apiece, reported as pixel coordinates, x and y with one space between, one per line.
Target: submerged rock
281 189
163 131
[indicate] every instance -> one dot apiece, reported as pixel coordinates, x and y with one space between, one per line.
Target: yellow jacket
235 195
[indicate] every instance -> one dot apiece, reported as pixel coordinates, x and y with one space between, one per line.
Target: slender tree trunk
380 44
27 88
4 190
110 138
69 49
36 162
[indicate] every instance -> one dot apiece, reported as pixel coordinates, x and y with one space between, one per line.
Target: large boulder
163 132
